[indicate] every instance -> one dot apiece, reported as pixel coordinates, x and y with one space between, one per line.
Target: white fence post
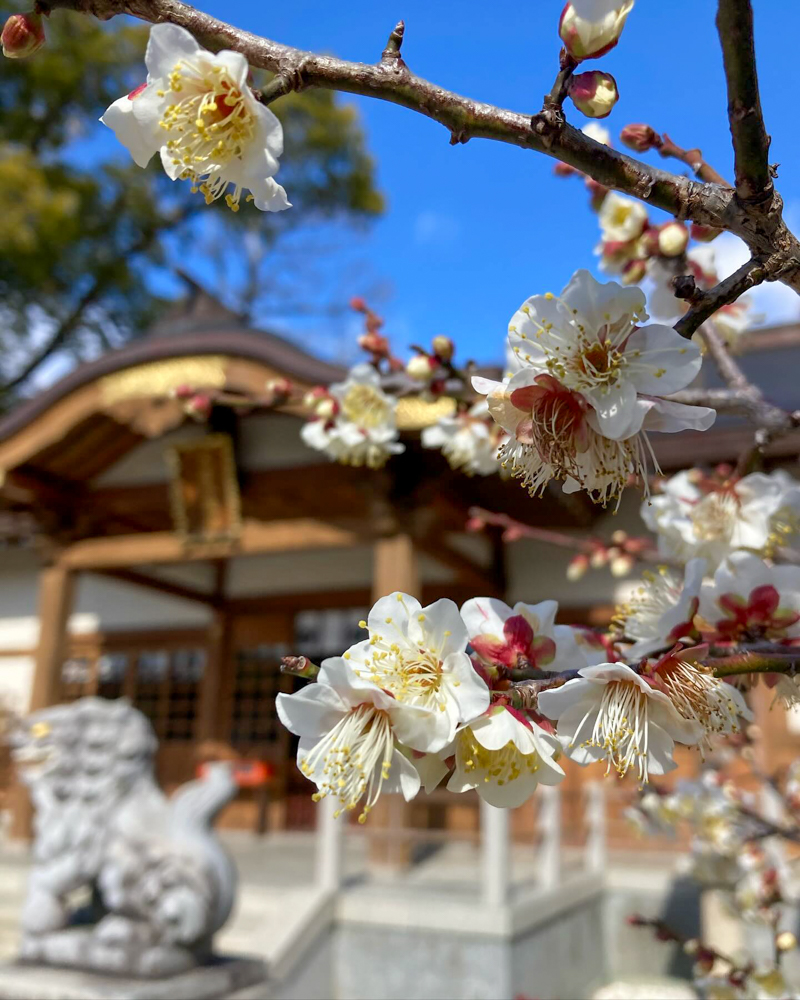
550 835
596 832
495 855
330 834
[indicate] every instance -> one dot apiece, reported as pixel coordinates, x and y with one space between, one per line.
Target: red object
246 773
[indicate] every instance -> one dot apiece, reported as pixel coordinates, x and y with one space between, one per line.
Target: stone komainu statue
156 883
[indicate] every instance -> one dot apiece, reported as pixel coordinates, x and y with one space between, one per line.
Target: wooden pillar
56 592
394 568
209 714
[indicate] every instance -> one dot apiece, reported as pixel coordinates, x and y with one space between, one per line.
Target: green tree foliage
83 229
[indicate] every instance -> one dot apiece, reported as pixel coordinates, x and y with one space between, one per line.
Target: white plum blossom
660 611
751 599
504 755
349 732
579 407
468 441
523 636
358 427
419 656
198 112
621 219
695 516
590 339
611 713
553 433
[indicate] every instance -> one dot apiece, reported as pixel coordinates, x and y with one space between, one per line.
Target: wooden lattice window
257 680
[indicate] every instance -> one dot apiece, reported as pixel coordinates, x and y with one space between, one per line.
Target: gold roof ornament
414 413
160 378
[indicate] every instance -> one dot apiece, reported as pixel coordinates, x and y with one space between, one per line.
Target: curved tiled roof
210 336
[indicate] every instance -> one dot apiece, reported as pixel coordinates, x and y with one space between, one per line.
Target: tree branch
691 157
750 139
545 132
705 304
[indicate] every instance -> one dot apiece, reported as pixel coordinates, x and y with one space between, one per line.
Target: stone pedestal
223 978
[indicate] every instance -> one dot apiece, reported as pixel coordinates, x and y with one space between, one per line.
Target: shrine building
175 562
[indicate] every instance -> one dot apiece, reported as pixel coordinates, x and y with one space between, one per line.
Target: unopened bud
475 524
785 941
639 137
199 406
358 304
313 396
599 558
621 565
597 193
374 343
183 391
634 272
420 367
326 408
22 35
594 94
619 537
673 238
564 170
577 568
443 347
704 234
280 387
585 39
691 946
648 242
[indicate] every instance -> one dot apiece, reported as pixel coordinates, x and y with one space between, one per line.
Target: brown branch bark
750 139
705 304
691 157
546 132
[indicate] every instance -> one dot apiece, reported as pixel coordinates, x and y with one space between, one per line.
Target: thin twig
706 303
750 139
691 157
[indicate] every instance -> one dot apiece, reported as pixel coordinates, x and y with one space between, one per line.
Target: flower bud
22 35
594 94
634 272
785 941
358 304
184 391
564 170
577 567
375 344
280 387
673 238
597 193
199 406
704 234
599 558
313 396
640 138
326 408
585 39
621 565
420 367
443 348
648 242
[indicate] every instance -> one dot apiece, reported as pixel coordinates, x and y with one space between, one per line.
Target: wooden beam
56 592
256 538
467 571
162 586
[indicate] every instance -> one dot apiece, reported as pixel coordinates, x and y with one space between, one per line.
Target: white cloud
435 228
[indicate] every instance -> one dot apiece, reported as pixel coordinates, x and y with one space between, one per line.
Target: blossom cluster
590 381
433 694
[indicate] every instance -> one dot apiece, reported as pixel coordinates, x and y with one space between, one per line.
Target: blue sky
470 231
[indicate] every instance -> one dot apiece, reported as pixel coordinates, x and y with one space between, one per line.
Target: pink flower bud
594 93
564 170
326 408
420 367
577 567
585 39
648 242
475 524
22 35
443 348
621 565
280 387
374 343
639 137
673 238
358 304
313 396
633 272
183 391
597 193
704 234
199 406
